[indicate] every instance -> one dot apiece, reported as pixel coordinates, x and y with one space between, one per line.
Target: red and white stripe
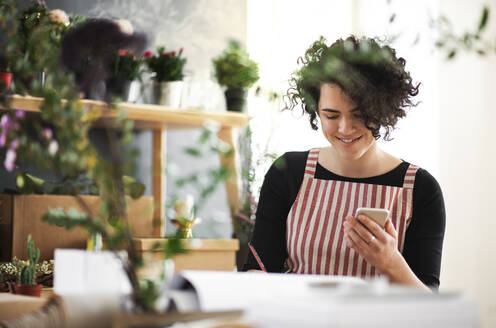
315 239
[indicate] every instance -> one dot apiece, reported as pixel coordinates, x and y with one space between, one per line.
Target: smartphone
379 215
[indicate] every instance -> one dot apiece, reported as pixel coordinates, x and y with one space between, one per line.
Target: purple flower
14 144
10 158
20 114
3 138
47 133
5 121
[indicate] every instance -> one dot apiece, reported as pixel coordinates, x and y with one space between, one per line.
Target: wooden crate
203 254
20 215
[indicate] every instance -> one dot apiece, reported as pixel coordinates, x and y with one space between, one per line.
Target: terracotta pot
28 290
5 80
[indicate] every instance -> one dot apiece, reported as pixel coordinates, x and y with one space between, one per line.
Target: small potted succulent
124 68
168 73
5 74
237 72
27 279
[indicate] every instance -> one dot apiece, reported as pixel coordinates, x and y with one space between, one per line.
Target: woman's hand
379 247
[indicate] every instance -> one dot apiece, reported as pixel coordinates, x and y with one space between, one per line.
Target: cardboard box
203 254
20 215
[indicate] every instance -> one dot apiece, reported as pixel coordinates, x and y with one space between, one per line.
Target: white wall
468 154
449 133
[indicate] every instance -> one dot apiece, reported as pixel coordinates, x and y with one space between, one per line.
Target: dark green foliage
125 66
168 66
234 69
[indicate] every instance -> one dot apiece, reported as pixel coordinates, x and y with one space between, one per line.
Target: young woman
305 220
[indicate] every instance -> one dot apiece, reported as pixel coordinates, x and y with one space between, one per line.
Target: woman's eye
331 117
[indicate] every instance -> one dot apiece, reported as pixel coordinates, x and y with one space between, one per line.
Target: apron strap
409 180
311 165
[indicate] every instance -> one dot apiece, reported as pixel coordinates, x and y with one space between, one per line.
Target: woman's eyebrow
330 110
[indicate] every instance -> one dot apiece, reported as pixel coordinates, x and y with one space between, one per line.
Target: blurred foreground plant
57 140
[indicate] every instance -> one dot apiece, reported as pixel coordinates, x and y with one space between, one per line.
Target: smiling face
342 124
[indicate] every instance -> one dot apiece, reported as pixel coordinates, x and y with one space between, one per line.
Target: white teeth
348 140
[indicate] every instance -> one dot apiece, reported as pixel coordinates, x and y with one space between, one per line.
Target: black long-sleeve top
423 239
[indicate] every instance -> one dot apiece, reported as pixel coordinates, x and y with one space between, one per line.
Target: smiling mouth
349 141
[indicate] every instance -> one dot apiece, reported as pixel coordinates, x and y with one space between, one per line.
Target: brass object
184 227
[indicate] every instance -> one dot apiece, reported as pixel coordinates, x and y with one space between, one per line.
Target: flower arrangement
234 68
167 66
126 66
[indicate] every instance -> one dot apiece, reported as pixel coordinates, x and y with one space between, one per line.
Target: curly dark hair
370 74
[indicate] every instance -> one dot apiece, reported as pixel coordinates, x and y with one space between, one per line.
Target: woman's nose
346 126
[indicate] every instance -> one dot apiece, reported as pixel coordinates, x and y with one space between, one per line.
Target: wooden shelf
159 119
145 116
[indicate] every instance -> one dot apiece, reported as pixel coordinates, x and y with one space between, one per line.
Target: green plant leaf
484 18
132 187
195 152
452 54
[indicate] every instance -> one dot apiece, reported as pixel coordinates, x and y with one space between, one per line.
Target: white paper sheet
83 272
290 300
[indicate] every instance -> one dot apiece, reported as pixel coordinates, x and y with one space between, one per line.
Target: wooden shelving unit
159 119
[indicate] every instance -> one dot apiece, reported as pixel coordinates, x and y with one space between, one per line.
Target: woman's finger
372 226
359 244
390 229
362 231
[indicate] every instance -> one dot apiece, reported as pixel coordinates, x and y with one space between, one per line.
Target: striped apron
314 233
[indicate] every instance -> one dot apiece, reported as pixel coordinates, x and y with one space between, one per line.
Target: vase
235 99
5 81
167 93
28 290
119 88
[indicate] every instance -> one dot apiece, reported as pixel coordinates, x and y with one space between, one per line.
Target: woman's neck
372 163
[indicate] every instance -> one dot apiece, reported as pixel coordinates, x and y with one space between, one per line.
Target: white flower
125 26
212 126
184 208
59 16
53 147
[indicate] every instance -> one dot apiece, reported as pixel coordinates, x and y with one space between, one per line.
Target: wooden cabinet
159 119
20 216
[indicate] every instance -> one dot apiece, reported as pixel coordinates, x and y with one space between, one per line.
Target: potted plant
167 68
27 279
237 72
124 68
5 74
